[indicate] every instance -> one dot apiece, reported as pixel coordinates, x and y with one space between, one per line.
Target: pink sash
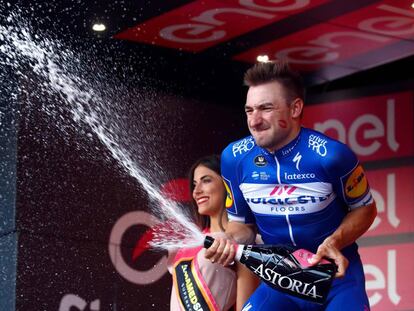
191 288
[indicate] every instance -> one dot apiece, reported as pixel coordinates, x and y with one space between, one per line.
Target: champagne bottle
287 269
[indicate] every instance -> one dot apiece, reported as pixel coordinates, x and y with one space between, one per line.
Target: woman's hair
213 163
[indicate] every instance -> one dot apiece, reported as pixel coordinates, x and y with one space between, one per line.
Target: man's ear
296 108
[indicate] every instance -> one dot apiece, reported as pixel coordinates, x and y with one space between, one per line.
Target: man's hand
329 250
355 223
222 250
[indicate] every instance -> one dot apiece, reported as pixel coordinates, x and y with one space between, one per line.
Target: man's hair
276 71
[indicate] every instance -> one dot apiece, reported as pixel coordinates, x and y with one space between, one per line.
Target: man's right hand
222 251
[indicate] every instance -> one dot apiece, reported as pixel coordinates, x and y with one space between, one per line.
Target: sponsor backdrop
379 129
79 215
323 39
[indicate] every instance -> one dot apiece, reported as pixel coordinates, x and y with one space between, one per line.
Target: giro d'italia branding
136 276
260 161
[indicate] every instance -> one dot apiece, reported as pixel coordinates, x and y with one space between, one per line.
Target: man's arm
223 249
241 233
355 224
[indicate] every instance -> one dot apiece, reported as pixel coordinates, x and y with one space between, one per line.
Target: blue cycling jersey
299 195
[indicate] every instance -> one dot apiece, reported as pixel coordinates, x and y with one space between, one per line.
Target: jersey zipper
287 215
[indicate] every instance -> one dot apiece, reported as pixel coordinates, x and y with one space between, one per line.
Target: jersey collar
286 150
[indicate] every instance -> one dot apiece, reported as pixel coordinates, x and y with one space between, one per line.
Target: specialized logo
297 159
243 146
318 145
229 195
356 184
260 161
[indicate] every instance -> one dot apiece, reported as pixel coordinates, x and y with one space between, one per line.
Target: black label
260 161
190 295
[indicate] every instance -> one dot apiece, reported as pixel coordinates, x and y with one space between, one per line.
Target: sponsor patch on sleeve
355 184
229 195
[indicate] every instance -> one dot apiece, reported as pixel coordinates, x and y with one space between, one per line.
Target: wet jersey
300 194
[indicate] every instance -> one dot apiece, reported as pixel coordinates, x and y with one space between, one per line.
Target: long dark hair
213 163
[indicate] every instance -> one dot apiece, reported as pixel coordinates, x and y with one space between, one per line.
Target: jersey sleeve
237 208
348 177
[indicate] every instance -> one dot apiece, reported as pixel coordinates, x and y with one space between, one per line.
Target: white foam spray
59 70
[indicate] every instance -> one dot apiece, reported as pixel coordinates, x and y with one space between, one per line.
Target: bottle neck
239 252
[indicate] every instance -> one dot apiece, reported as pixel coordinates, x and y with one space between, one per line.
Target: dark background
62 193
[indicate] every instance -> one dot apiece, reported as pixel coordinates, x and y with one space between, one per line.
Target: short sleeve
237 208
348 177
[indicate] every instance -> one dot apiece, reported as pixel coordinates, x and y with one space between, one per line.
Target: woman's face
208 191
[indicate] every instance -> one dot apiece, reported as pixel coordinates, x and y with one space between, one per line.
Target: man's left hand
329 250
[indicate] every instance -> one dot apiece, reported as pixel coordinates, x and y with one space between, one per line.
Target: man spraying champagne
294 186
287 269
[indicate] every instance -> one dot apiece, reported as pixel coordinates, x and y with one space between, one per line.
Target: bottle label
246 251
288 270
303 256
287 283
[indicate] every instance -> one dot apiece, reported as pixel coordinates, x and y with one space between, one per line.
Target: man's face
269 117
